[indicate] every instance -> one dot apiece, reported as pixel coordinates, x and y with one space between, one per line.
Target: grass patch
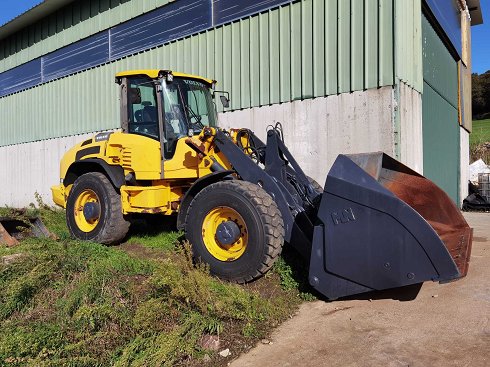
479 141
480 132
74 303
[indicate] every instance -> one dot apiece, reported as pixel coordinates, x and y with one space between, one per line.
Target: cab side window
142 107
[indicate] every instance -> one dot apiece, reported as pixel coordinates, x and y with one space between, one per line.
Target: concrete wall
464 146
317 130
32 167
409 131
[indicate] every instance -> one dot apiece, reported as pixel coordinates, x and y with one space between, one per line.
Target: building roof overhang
31 16
474 7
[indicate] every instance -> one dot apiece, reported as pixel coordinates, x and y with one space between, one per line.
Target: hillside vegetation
71 303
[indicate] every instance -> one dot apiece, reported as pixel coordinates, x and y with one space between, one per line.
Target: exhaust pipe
383 225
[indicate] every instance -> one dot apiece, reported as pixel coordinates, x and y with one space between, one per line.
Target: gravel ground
445 325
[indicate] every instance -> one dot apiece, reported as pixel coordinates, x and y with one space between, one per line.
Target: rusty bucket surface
383 225
435 206
13 229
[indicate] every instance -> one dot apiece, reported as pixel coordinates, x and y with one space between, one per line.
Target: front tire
94 210
236 228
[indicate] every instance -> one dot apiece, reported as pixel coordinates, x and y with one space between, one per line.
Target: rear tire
261 234
109 227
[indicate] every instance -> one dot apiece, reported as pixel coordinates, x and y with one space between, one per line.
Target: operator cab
165 105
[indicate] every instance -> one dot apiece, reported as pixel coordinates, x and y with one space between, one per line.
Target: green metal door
440 113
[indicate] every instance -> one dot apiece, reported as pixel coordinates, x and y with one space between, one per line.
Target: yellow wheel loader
375 225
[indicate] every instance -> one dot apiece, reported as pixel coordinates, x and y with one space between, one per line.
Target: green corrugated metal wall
408 43
440 113
78 20
307 49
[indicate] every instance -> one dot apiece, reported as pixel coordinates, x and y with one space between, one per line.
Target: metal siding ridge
370 44
331 46
236 62
245 87
307 76
296 51
285 53
385 49
319 26
344 46
357 45
274 61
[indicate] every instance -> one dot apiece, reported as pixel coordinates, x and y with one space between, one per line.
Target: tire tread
269 214
117 226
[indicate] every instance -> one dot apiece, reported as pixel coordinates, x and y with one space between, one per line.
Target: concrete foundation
317 130
464 151
409 114
32 168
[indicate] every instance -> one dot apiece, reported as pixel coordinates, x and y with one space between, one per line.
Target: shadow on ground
300 274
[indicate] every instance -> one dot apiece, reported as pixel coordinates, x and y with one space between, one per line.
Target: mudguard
382 225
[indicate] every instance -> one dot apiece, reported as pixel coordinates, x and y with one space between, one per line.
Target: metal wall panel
440 69
440 114
280 55
441 142
408 43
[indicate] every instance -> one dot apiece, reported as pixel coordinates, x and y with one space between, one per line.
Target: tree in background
481 95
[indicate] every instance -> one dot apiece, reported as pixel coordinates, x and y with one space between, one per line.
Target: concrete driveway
446 325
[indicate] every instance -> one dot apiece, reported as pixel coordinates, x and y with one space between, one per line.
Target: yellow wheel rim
210 225
86 196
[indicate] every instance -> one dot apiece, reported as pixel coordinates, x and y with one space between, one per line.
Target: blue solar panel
22 77
176 20
226 11
78 56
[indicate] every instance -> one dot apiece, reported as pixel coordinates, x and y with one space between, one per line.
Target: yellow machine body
141 156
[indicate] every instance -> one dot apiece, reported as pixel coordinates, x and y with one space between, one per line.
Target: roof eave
31 16
474 7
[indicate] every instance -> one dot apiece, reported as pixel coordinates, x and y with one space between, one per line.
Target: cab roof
153 73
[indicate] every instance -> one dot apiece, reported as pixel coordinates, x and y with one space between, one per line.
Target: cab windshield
188 105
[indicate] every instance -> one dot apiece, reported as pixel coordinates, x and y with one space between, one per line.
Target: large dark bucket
383 225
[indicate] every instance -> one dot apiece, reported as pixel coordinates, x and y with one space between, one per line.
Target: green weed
74 303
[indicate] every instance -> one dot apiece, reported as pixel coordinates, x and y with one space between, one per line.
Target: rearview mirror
134 95
224 101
